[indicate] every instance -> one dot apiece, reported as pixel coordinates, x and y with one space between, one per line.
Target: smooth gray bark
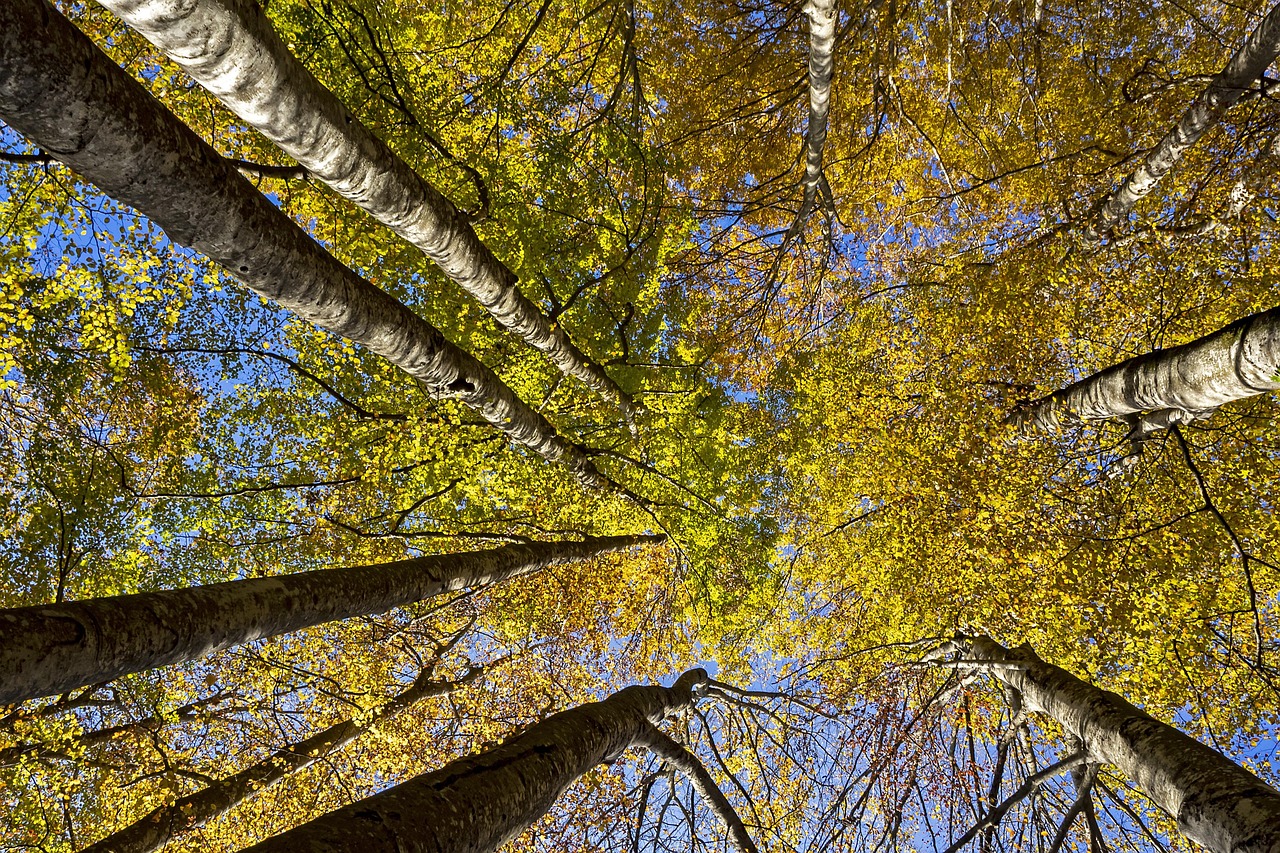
1216 802
61 92
1241 72
1158 389
161 825
48 649
480 802
230 48
675 755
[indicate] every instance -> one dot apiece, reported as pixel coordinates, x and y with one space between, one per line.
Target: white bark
65 95
1241 72
1158 389
49 649
230 48
1217 803
822 42
478 803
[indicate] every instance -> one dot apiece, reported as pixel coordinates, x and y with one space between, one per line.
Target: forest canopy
862 378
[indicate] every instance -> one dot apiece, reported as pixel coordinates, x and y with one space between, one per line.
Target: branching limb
688 764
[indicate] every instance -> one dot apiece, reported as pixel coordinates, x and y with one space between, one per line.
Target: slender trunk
480 802
675 755
1170 386
48 649
12 755
1250 61
1216 802
822 39
69 98
165 823
822 43
230 48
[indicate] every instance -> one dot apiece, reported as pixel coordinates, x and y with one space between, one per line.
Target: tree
1241 73
1156 390
1216 802
52 648
165 823
251 70
122 135
482 801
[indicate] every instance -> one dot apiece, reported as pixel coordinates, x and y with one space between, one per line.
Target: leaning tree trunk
161 825
69 98
47 649
477 803
1158 389
1248 64
230 48
1216 802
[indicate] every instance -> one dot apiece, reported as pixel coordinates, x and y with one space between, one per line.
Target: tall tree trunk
47 649
69 98
1242 71
822 45
163 824
1158 389
230 48
1216 802
477 803
822 41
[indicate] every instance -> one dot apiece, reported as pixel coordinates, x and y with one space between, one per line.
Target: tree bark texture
163 824
1178 384
1216 802
48 649
60 91
822 44
230 48
1241 72
480 802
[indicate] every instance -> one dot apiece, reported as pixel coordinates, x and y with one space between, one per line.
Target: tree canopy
807 296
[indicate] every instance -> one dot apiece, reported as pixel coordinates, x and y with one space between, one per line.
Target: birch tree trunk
1158 389
48 649
477 803
230 48
60 91
163 824
1250 61
1216 802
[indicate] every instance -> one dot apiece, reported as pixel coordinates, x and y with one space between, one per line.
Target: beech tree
122 134
1216 802
825 461
53 648
1156 390
482 801
251 70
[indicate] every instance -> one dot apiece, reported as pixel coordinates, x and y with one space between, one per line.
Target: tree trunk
69 98
165 823
1217 803
1170 386
48 649
477 803
230 48
822 43
1244 69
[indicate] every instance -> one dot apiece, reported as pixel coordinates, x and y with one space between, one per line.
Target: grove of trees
639 426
